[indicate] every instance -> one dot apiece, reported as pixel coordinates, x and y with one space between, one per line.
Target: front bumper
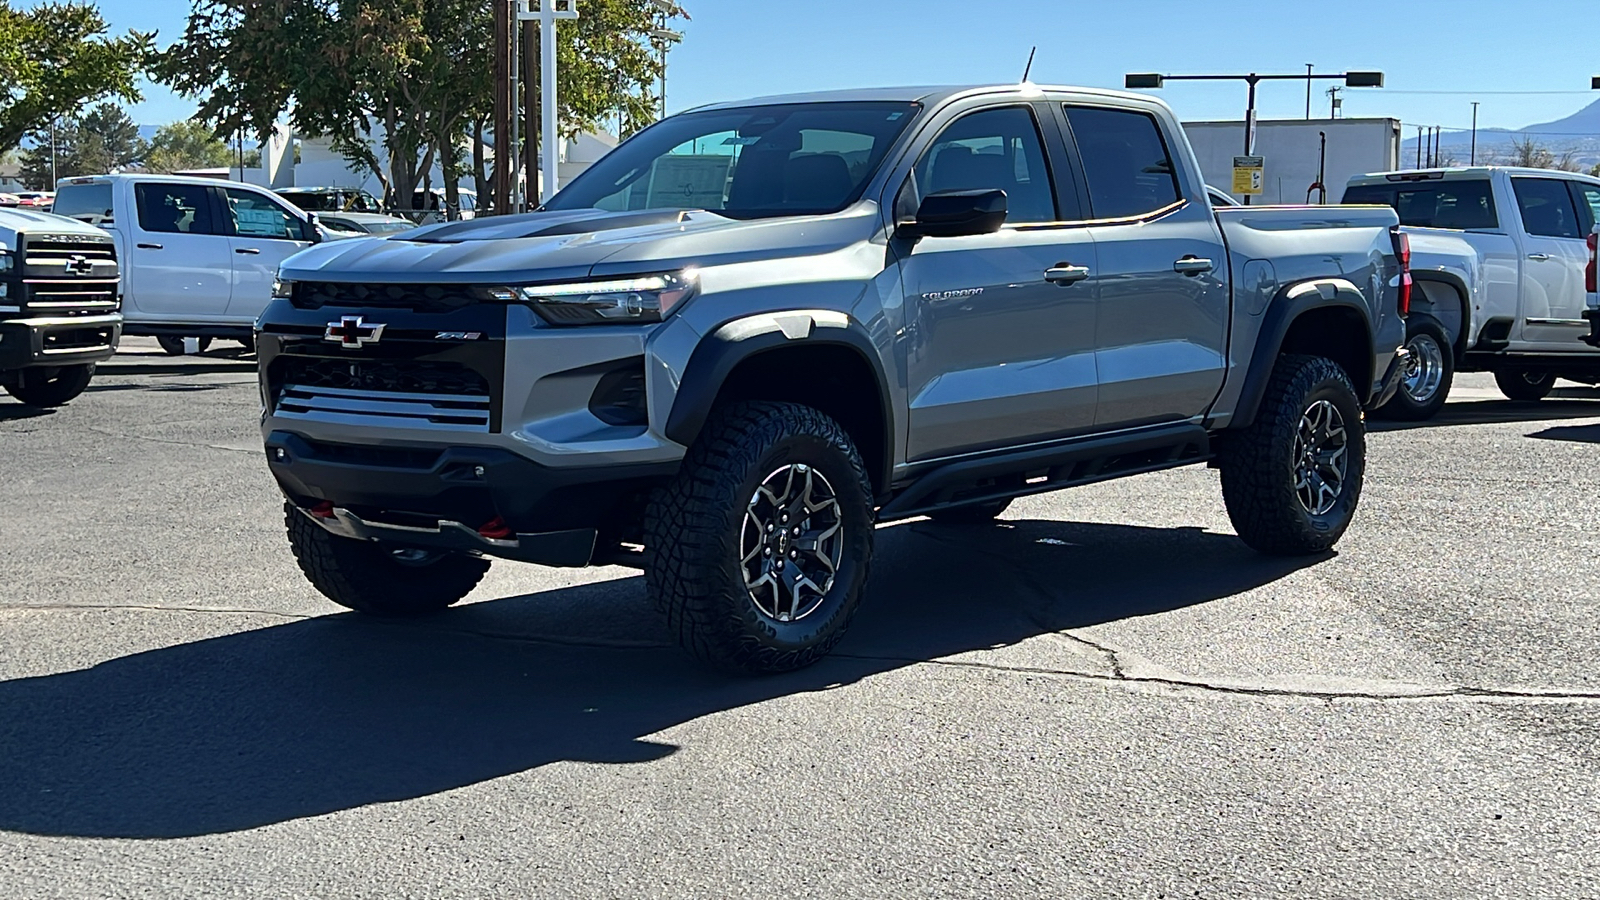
58 341
1391 379
439 496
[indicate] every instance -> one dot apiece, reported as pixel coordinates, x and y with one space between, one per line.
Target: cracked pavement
1104 694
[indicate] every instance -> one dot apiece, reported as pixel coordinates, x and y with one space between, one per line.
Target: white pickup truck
198 254
1504 265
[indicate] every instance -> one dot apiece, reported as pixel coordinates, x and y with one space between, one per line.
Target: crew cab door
998 354
179 266
263 233
1161 332
1554 257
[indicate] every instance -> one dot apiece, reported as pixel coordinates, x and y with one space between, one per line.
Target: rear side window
1125 160
1547 207
1588 198
174 208
1465 204
85 202
255 215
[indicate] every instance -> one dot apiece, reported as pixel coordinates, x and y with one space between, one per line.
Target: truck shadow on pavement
334 713
10 412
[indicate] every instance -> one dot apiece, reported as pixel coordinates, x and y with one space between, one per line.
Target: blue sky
1522 68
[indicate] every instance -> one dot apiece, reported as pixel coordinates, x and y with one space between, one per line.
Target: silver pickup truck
756 331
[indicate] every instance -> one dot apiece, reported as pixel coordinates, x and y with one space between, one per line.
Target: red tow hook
323 510
496 530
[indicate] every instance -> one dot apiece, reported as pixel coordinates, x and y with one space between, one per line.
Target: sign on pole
1248 174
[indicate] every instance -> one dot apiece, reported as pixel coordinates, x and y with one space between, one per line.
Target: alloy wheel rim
1322 457
1424 371
791 543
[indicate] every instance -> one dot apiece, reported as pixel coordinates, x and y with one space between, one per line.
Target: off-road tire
173 346
692 530
974 514
1258 463
1525 385
1430 346
366 576
50 387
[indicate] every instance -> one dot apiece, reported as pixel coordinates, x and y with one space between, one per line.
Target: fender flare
1463 294
1288 306
735 341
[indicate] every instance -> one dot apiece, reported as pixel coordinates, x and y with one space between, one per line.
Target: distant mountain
1578 134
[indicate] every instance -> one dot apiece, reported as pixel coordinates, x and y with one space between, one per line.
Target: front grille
420 297
399 393
398 375
69 276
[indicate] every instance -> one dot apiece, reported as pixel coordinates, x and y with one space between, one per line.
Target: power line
1498 93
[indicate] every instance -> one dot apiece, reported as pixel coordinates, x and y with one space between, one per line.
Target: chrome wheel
791 543
1424 369
1321 451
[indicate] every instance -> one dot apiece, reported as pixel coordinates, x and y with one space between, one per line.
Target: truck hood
566 244
23 221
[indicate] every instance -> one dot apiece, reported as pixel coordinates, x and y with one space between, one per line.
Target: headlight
619 301
282 288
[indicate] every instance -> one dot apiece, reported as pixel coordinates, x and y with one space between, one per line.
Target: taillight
1594 251
1402 249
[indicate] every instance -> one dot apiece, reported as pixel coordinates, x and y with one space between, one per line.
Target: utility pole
532 94
1473 159
1419 146
662 37
53 177
1308 91
1334 102
503 148
548 13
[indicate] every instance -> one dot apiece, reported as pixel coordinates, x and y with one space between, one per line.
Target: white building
1291 152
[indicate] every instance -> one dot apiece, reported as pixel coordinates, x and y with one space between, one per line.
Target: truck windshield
750 162
1459 204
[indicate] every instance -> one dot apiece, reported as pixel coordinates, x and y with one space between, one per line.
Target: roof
927 94
147 176
357 216
1466 171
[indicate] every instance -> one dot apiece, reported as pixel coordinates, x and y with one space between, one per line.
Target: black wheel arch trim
1454 282
1292 302
738 340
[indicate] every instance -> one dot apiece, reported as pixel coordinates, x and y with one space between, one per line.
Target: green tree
103 140
413 75
186 145
56 57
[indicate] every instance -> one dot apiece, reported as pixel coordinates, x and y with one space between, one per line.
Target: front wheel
758 551
47 387
1430 370
377 579
1292 479
1524 385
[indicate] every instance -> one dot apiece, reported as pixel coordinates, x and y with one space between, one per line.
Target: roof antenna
1029 69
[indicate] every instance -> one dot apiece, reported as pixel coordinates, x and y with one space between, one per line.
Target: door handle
1538 257
248 251
148 246
1193 265
1066 274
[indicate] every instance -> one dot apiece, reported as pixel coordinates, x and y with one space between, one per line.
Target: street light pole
1473 159
1309 79
548 13
663 36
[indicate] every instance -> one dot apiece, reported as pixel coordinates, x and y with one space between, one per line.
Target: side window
1547 207
993 149
174 208
257 216
1587 196
1125 160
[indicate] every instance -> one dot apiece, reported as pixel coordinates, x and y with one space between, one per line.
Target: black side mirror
958 214
313 229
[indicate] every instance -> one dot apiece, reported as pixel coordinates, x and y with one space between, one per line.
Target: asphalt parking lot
1105 694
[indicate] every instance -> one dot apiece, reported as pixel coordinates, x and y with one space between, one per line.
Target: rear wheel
378 579
1430 370
1291 481
758 552
1525 385
173 345
50 386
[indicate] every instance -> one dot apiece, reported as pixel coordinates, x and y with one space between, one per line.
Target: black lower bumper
1391 379
439 496
58 341
1593 337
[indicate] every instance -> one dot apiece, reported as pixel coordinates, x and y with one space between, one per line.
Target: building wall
1291 150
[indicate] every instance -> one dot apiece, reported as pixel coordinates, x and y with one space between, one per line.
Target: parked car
365 223
429 207
58 305
1502 259
10 200
331 199
199 255
850 308
37 200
